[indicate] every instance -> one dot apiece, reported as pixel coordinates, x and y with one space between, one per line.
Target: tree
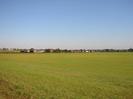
32 50
130 50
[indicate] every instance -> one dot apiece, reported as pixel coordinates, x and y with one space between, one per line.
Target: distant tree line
32 50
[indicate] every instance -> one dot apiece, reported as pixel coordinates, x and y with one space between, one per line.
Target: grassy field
66 76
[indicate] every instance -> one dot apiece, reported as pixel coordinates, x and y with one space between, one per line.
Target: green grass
66 76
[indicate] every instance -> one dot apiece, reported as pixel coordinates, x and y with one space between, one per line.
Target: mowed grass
66 76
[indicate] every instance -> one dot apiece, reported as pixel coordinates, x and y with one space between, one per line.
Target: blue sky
66 24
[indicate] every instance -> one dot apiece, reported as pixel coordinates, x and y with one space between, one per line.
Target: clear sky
66 24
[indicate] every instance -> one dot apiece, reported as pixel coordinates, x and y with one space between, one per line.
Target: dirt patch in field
7 91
